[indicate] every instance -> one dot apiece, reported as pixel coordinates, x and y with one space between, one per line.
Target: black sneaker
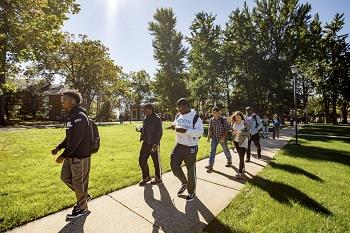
247 160
144 181
76 213
209 167
89 198
190 197
229 164
182 189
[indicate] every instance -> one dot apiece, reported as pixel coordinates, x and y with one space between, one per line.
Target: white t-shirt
192 135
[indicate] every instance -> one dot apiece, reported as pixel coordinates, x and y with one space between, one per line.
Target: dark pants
255 138
241 153
276 132
188 155
145 152
75 174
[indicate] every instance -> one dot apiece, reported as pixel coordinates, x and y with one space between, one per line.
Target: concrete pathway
153 209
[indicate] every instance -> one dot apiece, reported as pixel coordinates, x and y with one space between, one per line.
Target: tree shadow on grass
294 170
284 194
75 225
317 153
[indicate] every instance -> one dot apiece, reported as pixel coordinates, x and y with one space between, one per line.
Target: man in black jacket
151 133
77 152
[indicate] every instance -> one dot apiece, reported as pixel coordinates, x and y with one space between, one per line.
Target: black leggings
241 153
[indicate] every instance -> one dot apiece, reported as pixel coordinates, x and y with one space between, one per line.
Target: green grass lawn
30 185
327 129
304 189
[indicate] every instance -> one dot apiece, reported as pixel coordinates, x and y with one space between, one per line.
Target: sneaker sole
77 216
189 200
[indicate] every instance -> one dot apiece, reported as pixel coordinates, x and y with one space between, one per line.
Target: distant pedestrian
266 126
218 131
254 125
241 135
189 128
77 152
276 122
151 134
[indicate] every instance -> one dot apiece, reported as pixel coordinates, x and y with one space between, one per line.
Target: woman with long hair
240 134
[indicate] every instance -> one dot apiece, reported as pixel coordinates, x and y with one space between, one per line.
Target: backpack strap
177 116
256 121
195 119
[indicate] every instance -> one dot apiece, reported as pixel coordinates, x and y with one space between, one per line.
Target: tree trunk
3 121
334 109
344 111
327 118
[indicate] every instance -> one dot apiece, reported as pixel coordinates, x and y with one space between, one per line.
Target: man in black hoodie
151 133
77 152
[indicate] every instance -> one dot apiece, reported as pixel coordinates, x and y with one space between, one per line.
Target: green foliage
86 66
28 30
204 57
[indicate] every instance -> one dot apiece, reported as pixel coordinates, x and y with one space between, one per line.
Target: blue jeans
214 144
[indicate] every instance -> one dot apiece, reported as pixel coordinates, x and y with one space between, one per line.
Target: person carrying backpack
218 131
77 146
254 125
189 128
151 134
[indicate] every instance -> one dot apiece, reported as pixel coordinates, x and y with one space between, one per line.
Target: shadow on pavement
75 225
284 194
168 218
294 170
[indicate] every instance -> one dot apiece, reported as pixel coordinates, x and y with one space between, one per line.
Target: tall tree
86 66
205 59
336 49
28 28
170 54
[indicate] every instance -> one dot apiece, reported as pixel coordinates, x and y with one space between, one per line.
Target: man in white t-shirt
189 128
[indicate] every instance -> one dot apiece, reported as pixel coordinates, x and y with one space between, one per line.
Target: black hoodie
78 136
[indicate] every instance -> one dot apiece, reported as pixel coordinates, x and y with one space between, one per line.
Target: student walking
276 122
217 132
254 125
266 125
189 128
151 134
240 139
77 152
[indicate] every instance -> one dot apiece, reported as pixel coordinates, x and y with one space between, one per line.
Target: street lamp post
295 71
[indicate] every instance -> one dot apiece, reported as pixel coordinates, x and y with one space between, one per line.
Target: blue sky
122 24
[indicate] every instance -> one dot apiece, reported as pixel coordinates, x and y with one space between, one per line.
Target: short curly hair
74 94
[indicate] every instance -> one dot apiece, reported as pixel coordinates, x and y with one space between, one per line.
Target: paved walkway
153 209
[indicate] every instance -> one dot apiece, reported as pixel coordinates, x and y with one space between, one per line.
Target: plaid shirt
218 127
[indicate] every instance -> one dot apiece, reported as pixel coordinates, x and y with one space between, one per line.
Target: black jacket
152 130
78 136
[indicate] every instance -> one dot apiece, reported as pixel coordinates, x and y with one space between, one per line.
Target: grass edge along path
30 185
303 189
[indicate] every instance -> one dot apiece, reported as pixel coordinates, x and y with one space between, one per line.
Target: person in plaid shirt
219 129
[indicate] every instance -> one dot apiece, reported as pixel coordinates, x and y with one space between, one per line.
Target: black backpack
95 137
